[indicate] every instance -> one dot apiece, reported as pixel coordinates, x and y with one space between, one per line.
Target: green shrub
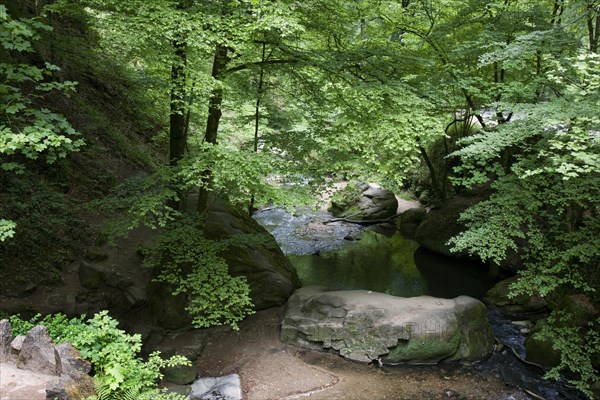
119 372
191 264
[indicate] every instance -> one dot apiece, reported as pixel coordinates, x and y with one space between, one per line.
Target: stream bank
270 369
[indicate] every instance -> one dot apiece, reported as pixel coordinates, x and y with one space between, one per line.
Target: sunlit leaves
26 129
7 229
191 264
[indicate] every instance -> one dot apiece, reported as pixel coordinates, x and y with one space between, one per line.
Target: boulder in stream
271 276
364 202
440 225
520 306
410 220
364 326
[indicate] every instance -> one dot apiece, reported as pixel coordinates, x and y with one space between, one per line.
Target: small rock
188 344
96 254
67 388
222 388
29 288
180 374
16 344
521 306
450 393
71 361
135 295
524 324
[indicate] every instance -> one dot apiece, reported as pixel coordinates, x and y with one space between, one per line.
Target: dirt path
270 369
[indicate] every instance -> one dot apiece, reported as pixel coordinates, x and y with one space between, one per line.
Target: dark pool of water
393 265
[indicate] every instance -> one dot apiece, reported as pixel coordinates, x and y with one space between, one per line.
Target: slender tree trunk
257 115
177 131
593 25
177 109
438 191
214 117
557 11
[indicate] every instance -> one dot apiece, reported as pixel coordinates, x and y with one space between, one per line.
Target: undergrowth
119 373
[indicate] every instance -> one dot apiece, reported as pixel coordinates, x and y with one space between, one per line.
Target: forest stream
346 256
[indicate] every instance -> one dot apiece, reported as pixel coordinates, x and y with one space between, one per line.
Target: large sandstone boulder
410 220
364 326
539 349
271 276
440 225
364 202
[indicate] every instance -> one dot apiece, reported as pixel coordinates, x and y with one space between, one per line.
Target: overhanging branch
258 63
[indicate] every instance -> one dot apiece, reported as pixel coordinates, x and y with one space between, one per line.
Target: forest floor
270 369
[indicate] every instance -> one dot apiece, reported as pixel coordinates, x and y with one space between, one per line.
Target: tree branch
258 63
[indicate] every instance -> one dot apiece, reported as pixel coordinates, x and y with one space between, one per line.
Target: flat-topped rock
364 326
16 383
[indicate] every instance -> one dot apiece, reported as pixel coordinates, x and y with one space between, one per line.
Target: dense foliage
545 202
26 129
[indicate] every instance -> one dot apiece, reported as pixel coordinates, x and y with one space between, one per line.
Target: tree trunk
438 191
212 123
593 25
257 116
177 131
177 109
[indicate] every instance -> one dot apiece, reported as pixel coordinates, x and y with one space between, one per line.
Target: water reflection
375 262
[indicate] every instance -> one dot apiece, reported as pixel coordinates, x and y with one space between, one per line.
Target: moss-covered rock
410 220
440 225
363 326
181 374
539 350
518 306
271 276
363 202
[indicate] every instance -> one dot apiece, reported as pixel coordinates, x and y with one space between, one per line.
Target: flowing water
345 256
